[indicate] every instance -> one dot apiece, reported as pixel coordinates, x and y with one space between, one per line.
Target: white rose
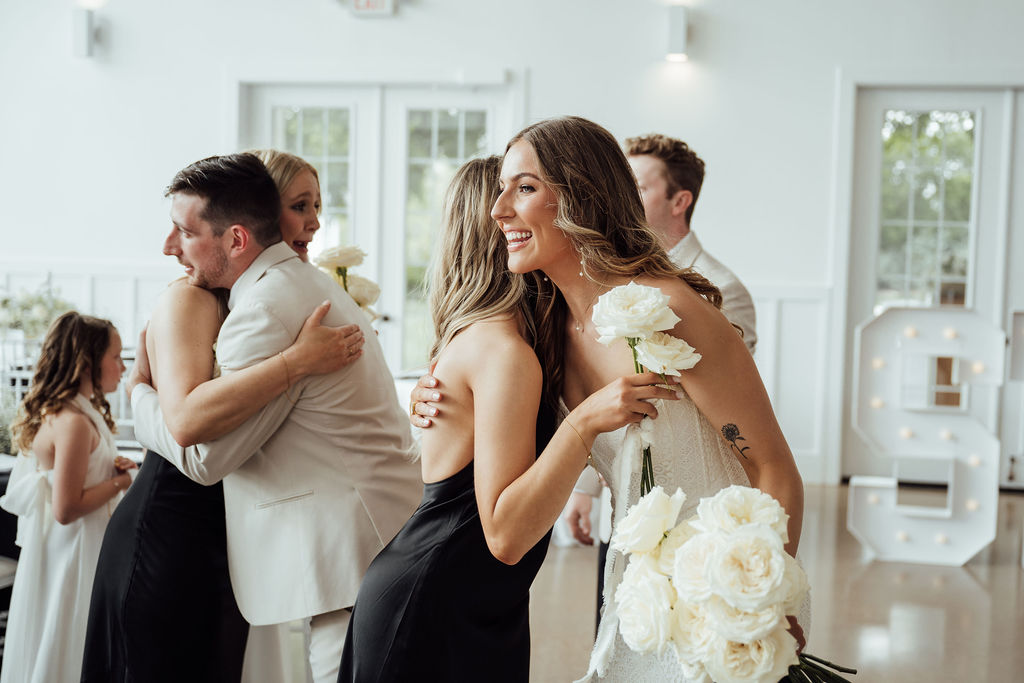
666 354
666 552
763 661
692 637
748 568
646 523
797 586
689 574
339 257
735 506
644 599
363 290
741 626
632 311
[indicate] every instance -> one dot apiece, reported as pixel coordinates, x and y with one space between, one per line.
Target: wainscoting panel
792 351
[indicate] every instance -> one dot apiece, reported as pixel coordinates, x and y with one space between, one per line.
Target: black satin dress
162 606
435 605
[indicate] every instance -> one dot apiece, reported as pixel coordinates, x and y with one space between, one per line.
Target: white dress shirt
737 305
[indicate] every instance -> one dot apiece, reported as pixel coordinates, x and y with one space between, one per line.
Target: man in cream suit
319 481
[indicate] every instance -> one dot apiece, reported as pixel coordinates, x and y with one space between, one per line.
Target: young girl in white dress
63 488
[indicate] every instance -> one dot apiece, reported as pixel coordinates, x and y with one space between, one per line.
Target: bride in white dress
64 484
573 217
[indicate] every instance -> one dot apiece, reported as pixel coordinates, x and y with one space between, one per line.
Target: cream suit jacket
322 478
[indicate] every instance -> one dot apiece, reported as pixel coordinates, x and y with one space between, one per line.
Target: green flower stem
646 473
343 274
633 341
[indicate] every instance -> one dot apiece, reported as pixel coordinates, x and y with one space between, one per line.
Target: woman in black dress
162 605
448 598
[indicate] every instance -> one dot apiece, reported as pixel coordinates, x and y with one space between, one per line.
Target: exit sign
372 8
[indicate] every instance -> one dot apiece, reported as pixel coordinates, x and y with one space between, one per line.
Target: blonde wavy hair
72 351
600 211
284 167
469 277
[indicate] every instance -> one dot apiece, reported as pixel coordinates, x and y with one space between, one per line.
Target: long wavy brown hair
73 350
600 211
469 276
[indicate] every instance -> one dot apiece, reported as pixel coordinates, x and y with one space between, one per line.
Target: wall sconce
83 32
676 34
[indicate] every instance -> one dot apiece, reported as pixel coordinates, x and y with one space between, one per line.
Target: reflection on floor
895 622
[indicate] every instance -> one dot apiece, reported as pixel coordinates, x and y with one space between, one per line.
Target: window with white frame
385 156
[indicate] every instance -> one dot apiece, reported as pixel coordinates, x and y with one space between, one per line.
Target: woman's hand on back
319 349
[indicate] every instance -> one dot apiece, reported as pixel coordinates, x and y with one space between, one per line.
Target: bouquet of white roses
716 588
638 314
336 262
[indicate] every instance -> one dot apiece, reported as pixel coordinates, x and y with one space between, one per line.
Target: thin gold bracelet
590 457
288 378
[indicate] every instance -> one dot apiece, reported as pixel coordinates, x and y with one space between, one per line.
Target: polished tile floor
895 622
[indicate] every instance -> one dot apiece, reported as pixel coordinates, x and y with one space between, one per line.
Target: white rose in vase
763 661
647 522
748 568
632 311
644 599
339 257
665 354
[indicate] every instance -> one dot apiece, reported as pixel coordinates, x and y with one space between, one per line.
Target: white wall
87 145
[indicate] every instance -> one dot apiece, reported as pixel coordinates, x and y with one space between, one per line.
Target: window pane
475 133
440 141
420 128
337 132
312 132
448 134
927 177
924 244
285 122
954 251
336 224
335 187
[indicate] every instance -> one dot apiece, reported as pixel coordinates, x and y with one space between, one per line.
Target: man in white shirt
669 175
318 481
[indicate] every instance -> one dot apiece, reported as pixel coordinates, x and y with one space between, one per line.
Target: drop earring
581 267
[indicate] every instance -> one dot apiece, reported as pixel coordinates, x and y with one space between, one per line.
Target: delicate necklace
577 323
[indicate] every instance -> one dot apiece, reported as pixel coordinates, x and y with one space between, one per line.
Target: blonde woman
65 483
448 598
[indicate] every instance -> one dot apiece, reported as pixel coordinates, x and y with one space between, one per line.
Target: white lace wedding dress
687 453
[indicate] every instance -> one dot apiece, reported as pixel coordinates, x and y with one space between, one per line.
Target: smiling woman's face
526 210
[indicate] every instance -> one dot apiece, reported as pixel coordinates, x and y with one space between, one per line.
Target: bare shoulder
72 423
492 343
699 319
181 297
186 307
